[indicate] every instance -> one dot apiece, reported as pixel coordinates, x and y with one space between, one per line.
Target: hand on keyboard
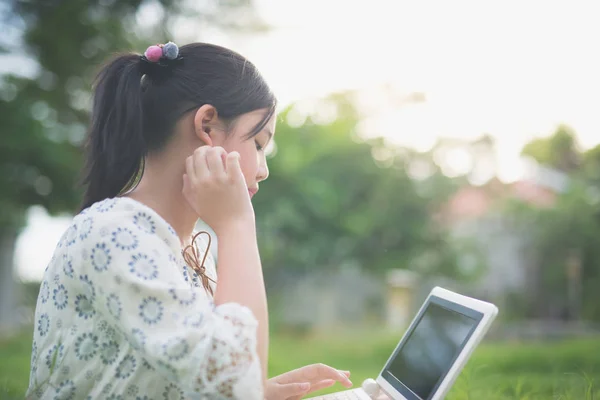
317 376
345 395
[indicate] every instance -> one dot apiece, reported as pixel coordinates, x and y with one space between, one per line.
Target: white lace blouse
121 316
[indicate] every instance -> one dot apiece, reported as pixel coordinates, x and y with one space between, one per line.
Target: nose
263 170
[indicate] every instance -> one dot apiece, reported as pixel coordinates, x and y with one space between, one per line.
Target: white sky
513 69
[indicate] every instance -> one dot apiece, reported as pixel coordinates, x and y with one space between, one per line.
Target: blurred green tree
564 248
334 200
559 151
591 166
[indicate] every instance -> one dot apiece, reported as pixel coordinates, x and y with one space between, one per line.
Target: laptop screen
429 350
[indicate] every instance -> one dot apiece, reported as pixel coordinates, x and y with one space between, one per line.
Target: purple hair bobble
153 53
170 51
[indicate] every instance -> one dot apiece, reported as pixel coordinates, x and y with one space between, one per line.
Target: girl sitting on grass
129 307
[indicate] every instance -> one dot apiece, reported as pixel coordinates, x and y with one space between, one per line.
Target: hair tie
161 55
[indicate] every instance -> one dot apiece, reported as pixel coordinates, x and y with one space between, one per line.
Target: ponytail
116 147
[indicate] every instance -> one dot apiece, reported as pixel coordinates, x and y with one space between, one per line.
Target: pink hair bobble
153 53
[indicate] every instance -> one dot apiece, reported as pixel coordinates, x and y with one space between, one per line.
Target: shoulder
118 240
120 223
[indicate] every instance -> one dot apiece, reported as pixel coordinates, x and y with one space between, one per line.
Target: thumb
292 389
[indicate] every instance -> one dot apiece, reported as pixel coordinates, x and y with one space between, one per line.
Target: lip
252 192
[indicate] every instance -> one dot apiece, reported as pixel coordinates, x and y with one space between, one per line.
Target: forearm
241 280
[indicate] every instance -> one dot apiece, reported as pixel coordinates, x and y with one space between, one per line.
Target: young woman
130 306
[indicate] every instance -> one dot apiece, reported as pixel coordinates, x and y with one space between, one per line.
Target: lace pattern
118 304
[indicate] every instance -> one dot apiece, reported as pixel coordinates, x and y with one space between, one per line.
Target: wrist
240 226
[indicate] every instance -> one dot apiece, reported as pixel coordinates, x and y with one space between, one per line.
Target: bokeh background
418 144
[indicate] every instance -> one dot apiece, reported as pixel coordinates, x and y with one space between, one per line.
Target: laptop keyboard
345 395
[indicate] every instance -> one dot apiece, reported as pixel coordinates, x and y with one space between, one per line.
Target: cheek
249 163
248 158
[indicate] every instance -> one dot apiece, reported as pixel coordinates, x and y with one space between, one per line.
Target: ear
204 120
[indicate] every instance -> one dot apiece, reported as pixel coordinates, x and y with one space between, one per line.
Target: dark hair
136 106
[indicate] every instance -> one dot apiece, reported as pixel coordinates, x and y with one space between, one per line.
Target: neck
160 189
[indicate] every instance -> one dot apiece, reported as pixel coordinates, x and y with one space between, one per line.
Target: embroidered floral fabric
121 316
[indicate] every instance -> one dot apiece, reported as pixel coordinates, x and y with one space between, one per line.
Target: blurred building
477 213
402 298
330 300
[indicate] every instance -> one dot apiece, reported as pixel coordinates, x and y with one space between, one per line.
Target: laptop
433 351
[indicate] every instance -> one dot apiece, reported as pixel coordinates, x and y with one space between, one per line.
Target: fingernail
344 377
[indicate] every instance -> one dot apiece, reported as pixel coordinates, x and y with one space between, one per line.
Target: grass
558 370
15 357
568 370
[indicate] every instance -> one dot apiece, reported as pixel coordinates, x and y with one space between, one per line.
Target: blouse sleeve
134 282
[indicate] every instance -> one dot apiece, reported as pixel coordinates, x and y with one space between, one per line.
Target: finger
200 165
292 389
234 171
314 387
189 168
322 385
326 372
315 373
215 162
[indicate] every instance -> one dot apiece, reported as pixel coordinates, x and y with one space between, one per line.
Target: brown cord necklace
191 256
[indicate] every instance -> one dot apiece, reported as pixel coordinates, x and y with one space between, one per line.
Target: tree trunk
8 284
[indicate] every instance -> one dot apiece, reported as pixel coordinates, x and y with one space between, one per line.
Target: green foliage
333 200
34 168
591 166
44 116
559 151
565 234
563 247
